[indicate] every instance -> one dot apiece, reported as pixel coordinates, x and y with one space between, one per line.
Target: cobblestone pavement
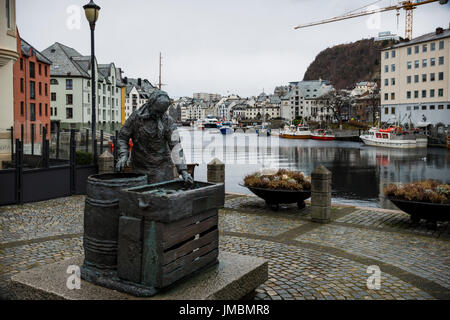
306 260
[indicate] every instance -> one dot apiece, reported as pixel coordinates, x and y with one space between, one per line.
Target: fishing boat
323 134
210 122
296 132
395 137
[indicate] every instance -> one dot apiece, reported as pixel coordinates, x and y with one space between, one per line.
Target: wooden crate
163 239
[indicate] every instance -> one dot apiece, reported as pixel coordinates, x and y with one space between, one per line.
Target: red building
31 93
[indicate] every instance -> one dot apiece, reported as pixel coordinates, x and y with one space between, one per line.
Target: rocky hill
346 64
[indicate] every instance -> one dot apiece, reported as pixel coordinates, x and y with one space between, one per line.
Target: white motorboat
395 137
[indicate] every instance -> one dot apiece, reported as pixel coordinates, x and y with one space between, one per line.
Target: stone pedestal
233 278
106 163
321 195
216 171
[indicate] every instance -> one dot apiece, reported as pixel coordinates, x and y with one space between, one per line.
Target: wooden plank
172 238
177 225
177 253
188 259
129 252
151 254
209 258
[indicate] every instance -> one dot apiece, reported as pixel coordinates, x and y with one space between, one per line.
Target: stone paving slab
256 224
425 257
41 219
301 273
395 220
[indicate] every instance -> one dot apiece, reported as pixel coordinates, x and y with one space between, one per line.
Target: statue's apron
151 154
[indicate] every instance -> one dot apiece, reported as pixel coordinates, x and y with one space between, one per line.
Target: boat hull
325 138
291 136
226 131
400 144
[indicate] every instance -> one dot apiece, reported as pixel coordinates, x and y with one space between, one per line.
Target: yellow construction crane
407 5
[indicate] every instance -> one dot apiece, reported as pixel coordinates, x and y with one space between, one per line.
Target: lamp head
91 11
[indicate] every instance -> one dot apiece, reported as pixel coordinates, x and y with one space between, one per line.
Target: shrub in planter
83 158
281 180
430 191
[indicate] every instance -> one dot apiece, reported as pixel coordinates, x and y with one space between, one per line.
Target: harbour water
359 172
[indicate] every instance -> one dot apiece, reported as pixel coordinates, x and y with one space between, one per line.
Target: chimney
139 82
439 30
125 80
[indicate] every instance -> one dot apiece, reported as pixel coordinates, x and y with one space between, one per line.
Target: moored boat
395 137
323 134
296 132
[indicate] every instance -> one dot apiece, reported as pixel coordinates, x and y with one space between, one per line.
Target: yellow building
8 55
415 80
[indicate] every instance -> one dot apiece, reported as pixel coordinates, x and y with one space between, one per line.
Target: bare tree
374 104
339 102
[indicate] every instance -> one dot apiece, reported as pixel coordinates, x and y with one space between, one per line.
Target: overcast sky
216 46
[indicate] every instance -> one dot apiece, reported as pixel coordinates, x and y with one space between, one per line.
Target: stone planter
423 210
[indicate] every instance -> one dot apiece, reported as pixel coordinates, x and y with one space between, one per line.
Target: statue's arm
124 137
173 139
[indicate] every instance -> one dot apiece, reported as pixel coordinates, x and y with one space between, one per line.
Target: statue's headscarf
146 111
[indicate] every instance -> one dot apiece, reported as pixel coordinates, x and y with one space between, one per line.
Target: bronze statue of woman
156 143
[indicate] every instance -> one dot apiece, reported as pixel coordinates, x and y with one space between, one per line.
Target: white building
137 93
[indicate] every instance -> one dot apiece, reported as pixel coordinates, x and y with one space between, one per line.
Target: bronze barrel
101 217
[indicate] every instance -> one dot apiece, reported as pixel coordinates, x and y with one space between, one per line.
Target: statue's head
159 102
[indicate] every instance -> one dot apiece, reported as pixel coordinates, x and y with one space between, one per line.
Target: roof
26 47
423 38
145 86
63 63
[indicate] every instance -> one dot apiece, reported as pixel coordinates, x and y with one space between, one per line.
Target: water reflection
359 172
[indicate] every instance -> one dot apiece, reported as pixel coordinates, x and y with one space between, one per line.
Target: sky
228 47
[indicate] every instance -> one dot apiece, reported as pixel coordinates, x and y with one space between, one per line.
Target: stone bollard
216 171
106 162
321 195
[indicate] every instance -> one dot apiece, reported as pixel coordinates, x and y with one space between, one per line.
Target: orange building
31 93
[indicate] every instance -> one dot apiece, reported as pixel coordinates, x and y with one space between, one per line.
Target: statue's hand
187 177
120 165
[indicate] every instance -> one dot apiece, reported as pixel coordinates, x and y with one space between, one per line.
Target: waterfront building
137 92
8 56
387 36
415 80
206 96
31 93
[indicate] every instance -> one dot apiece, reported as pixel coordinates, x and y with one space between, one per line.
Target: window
424 93
432 62
416 107
45 70
424 77
408 79
432 107
408 108
386 111
386 68
21 63
21 108
392 110
32 71
416 64
69 113
53 81
69 99
393 54
408 65
416 49
431 93
392 96
424 48
440 92
40 88
21 85
46 109
46 91
53 96
441 76
32 90
416 78
386 82
441 107
408 94
424 107
416 94
56 111
432 76
40 68
392 67
386 96
40 109
69 84
408 51
32 112
393 81
441 61
424 63
432 46
8 14
441 44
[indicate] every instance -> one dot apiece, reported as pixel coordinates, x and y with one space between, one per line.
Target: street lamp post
91 10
